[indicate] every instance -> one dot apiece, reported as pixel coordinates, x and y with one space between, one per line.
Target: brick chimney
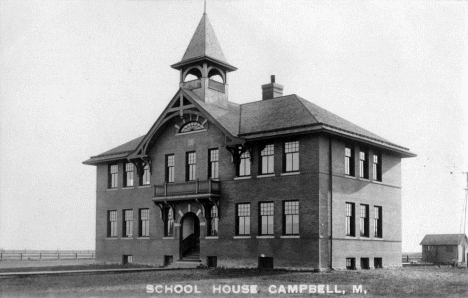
272 90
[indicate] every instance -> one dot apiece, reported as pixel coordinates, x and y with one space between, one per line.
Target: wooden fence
24 255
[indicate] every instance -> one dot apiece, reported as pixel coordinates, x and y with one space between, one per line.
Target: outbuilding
444 248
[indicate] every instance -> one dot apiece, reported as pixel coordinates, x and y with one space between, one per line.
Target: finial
204 11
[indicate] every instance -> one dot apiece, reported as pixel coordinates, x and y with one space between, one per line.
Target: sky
78 78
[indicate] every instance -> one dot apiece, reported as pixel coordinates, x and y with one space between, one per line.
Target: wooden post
196 186
209 185
165 189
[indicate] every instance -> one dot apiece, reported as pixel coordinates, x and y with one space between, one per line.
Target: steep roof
443 239
118 152
204 43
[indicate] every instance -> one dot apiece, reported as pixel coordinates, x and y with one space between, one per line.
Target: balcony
187 190
195 84
216 86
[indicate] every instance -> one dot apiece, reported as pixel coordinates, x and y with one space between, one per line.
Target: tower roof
204 45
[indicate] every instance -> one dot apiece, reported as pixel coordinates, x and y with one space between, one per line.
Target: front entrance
190 237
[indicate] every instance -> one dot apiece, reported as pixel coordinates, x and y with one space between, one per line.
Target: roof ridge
300 99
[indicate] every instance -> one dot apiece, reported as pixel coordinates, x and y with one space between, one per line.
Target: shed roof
443 239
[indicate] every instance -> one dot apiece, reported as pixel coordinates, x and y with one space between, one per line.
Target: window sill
290 173
143 238
377 181
290 236
127 238
363 179
378 238
128 187
350 177
350 237
112 189
266 175
144 186
242 177
112 238
190 132
211 237
242 237
265 237
168 238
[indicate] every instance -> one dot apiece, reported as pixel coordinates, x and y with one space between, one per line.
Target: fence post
58 256
40 256
76 255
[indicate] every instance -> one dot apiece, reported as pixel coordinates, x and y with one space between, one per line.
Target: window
291 156
349 161
430 248
243 219
127 259
113 176
128 174
213 219
244 165
267 212
377 168
364 220
192 126
191 166
291 218
350 219
213 156
168 222
363 165
365 263
377 222
112 223
267 159
145 179
128 223
170 168
449 249
350 263
143 229
378 263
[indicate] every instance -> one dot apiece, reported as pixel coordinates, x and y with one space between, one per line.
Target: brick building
277 181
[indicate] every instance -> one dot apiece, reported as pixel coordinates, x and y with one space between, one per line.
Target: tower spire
204 11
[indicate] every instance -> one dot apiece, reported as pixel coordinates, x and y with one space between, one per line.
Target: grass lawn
404 282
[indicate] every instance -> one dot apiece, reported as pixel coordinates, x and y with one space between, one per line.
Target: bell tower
203 68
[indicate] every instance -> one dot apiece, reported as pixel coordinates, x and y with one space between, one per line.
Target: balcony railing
195 84
187 188
216 85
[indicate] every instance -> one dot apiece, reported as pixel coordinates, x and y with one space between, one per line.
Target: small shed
444 248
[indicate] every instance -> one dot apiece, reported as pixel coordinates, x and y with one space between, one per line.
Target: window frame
168 222
213 163
378 228
269 209
245 165
246 232
349 160
350 220
364 220
170 168
213 221
293 154
113 178
267 157
363 163
127 224
129 175
350 263
377 167
143 223
112 224
293 216
191 166
145 179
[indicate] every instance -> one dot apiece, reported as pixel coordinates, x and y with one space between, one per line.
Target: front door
190 237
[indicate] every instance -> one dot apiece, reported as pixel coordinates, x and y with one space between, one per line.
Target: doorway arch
190 236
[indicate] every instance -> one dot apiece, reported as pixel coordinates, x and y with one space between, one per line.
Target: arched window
192 126
193 74
216 75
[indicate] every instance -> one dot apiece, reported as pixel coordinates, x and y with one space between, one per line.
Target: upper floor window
267 212
267 160
363 165
113 176
213 220
192 126
143 227
244 164
291 156
191 166
377 167
112 223
377 222
128 174
170 168
349 161
127 223
168 221
364 220
243 219
291 218
213 155
145 179
350 219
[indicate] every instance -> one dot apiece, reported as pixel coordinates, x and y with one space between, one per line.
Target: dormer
203 68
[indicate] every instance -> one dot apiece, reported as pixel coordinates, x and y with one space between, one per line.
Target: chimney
272 90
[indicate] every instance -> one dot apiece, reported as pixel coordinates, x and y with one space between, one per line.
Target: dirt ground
404 282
